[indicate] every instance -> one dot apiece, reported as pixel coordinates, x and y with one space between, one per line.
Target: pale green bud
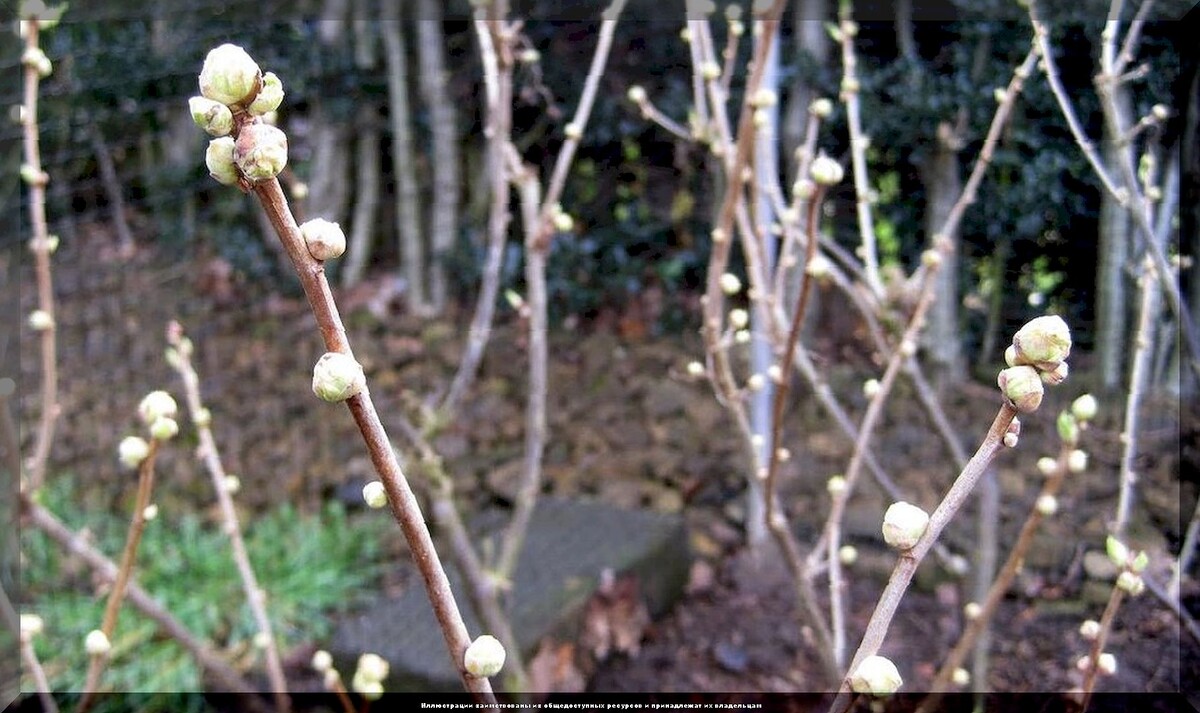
156 405
1140 562
1043 342
40 320
871 388
637 94
261 152
1130 583
324 239
825 171
232 484
695 369
322 661
1085 407
96 643
563 222
1106 664
150 512
960 677
1047 465
1055 376
374 495
219 160
337 377
212 116
877 676
821 108
1068 428
739 318
132 450
903 525
836 485
372 667
230 75
972 610
484 657
269 97
1117 552
730 284
710 70
1077 461
1089 629
164 429
1022 386
1047 505
847 554
573 132
32 176
31 626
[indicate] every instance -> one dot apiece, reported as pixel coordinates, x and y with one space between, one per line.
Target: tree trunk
766 165
328 183
1111 288
408 197
943 184
443 220
362 225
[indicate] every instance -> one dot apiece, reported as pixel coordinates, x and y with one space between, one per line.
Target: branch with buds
1070 459
157 411
179 357
250 154
1038 352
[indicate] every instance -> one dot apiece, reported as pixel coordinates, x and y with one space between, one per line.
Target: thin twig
404 505
116 595
207 451
1106 624
1138 377
1008 572
28 656
858 150
906 565
41 247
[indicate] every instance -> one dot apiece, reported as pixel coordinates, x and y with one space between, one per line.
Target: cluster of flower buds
31 626
369 676
322 663
1132 565
484 657
235 97
157 410
1037 356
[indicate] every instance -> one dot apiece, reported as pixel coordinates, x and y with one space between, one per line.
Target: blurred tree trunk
943 184
408 197
329 187
443 219
1189 223
811 38
366 204
766 165
1111 289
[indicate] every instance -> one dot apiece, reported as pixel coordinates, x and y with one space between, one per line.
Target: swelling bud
270 96
324 239
260 152
1022 386
230 75
219 160
337 377
876 676
132 451
484 657
1043 342
156 405
212 116
903 525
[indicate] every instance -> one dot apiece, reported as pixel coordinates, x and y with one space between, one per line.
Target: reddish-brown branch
137 526
400 495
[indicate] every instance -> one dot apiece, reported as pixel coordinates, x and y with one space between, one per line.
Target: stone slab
568 544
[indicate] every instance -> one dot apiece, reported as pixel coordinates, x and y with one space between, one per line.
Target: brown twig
41 247
403 503
1004 578
1106 624
207 451
906 565
116 595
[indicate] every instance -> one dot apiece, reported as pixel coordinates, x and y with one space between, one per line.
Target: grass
311 565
